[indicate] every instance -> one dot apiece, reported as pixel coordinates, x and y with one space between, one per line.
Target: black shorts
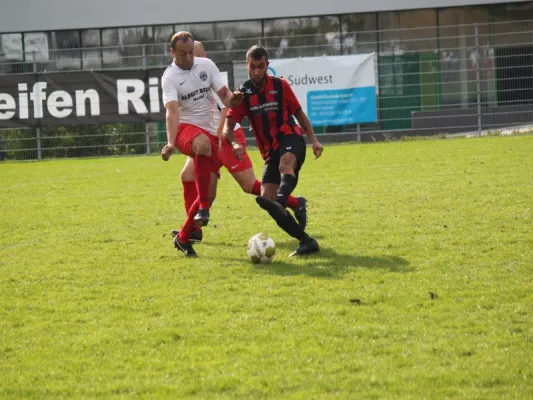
290 144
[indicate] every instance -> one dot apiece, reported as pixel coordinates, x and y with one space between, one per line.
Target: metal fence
463 78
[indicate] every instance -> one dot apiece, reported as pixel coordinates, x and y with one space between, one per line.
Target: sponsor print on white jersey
195 91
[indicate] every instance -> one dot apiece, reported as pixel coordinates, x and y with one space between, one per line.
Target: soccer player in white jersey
188 85
242 171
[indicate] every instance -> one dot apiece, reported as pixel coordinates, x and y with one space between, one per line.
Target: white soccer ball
261 248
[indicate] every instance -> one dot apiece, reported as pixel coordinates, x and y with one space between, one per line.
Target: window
135 35
359 33
111 51
201 32
66 39
11 54
456 25
162 34
11 46
36 46
110 37
66 49
407 31
91 58
459 56
90 38
133 45
308 36
37 50
513 24
159 51
233 39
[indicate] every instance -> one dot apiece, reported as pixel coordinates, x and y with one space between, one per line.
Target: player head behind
182 49
257 64
199 50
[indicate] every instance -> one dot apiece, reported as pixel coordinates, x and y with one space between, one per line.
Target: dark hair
181 36
257 52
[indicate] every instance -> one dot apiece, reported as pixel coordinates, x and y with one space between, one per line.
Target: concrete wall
39 15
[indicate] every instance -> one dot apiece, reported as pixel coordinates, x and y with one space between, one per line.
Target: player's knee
286 168
187 175
202 145
287 164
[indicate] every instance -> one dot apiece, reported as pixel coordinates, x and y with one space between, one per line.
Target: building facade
54 34
441 66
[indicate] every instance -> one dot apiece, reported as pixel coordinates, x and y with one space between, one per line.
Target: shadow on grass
330 264
327 263
214 242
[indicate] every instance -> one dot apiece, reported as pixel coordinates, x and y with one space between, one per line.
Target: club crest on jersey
203 76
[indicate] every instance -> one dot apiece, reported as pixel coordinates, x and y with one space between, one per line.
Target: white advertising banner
336 90
12 46
36 44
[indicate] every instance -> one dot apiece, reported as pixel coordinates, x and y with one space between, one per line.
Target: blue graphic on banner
342 106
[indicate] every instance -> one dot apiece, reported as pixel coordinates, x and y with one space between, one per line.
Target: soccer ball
261 249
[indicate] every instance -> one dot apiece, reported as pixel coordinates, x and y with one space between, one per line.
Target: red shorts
227 158
187 133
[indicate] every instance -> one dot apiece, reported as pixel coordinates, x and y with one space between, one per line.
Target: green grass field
423 287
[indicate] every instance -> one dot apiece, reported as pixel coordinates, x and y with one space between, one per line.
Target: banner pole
38 129
147 131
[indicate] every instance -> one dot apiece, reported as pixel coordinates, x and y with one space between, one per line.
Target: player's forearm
306 125
309 131
172 120
228 131
310 134
226 100
224 95
222 120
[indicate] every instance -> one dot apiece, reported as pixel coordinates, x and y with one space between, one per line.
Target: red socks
202 165
188 227
189 194
293 203
256 189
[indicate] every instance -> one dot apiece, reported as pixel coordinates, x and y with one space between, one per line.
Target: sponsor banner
36 45
12 46
337 90
81 98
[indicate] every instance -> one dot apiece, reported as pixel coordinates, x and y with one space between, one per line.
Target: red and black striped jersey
270 110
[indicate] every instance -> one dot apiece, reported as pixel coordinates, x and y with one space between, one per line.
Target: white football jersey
195 91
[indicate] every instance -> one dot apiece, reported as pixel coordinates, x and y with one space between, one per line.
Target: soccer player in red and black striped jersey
271 106
241 170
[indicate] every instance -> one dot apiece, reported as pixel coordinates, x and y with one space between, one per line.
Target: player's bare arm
220 127
228 130
172 119
230 99
222 121
229 135
307 127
